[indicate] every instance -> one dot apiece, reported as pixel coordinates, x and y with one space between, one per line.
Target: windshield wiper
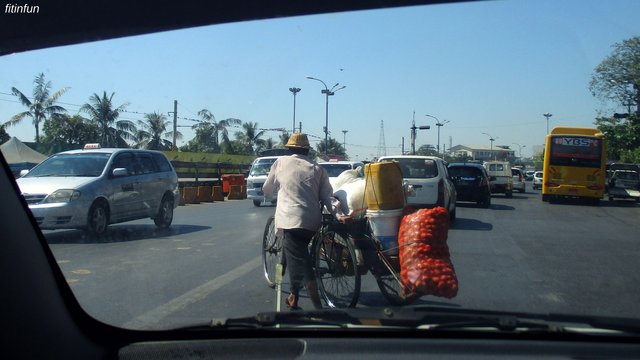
315 319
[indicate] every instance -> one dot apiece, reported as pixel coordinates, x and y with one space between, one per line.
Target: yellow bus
574 164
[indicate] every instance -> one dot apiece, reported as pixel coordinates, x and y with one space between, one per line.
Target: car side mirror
24 172
119 172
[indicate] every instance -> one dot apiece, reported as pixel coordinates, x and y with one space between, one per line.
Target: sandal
290 301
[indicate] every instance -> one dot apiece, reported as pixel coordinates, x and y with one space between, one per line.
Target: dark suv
471 182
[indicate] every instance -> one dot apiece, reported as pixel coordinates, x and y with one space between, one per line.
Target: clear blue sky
490 67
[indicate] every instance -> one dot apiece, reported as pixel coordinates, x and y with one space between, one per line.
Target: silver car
90 189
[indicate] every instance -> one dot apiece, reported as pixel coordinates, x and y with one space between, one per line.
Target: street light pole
328 92
439 125
547 115
492 139
294 90
344 141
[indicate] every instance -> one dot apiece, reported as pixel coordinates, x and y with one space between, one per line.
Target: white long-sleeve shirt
301 185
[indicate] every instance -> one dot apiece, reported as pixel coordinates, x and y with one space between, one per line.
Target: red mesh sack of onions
425 263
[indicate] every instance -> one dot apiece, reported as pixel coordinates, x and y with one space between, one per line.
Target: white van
503 182
257 176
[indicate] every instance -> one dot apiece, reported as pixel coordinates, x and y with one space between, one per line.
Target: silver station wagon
92 188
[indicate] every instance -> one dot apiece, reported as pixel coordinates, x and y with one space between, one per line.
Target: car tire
257 203
164 218
486 203
452 216
508 193
98 218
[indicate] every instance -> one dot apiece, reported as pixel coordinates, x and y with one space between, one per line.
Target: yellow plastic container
383 190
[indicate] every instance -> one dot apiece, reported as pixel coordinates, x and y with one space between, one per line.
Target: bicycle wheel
388 280
271 252
336 269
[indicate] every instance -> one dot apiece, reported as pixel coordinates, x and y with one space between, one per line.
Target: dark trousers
297 257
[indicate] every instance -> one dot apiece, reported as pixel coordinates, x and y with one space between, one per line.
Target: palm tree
250 138
41 107
334 148
217 128
284 138
112 132
151 132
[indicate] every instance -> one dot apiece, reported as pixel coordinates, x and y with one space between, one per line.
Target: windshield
187 240
84 165
334 170
261 168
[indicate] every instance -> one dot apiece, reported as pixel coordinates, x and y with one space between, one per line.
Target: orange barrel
231 179
383 190
205 194
217 193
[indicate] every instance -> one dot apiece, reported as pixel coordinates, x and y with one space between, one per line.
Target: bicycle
341 254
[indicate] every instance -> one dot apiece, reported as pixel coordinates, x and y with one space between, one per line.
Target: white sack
351 197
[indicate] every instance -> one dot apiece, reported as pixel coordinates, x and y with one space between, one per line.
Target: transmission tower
382 147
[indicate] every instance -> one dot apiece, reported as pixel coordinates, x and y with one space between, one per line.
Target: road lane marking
153 317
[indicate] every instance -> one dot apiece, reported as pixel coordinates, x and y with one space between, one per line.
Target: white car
257 176
429 178
518 180
537 180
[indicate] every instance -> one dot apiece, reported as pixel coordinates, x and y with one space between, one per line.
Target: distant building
483 153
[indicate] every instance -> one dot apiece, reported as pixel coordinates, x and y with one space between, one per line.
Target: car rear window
334 170
418 168
464 171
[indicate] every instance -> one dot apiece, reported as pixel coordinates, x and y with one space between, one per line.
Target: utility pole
174 146
413 132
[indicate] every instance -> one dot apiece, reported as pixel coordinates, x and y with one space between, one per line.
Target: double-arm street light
492 139
328 92
294 90
439 125
547 115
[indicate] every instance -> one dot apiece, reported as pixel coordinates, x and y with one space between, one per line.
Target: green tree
284 138
622 135
152 133
112 132
617 77
427 150
334 147
41 106
250 138
68 132
4 137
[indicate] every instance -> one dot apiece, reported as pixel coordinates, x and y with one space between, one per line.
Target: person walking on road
301 185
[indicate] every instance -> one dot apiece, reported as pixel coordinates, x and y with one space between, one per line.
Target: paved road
520 255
